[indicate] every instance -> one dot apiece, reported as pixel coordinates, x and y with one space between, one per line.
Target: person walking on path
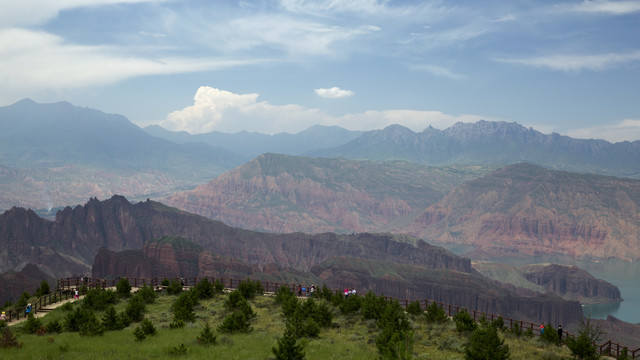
28 309
76 295
3 317
541 329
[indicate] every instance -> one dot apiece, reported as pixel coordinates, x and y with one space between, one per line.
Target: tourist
346 292
541 329
76 295
28 309
560 333
3 317
299 290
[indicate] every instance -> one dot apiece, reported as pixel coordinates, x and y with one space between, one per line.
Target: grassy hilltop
349 335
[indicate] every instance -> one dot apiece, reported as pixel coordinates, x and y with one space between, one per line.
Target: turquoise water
625 275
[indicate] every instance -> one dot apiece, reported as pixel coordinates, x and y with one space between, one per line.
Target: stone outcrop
571 282
462 289
279 193
27 279
527 210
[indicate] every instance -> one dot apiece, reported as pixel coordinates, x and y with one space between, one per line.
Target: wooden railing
67 286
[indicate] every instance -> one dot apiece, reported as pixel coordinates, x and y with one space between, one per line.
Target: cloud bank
220 110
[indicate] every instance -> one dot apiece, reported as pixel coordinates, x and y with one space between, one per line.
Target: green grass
350 337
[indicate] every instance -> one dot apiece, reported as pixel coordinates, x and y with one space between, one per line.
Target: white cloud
37 60
437 71
608 7
625 130
333 93
574 63
219 110
30 12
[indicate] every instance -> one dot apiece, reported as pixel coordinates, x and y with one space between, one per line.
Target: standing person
3 317
28 309
541 329
76 295
299 290
353 292
346 292
560 333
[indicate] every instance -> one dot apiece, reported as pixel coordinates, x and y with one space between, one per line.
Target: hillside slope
281 193
524 209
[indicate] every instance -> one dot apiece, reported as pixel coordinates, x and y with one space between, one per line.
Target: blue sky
571 67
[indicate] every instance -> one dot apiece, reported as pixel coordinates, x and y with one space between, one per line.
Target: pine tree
485 344
288 348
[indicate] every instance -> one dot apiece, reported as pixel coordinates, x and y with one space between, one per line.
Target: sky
571 67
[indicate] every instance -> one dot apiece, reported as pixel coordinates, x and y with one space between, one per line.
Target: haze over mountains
497 187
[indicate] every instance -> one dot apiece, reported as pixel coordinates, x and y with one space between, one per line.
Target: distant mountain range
486 142
520 209
250 144
53 155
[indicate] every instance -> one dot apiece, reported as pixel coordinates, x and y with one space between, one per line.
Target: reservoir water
625 275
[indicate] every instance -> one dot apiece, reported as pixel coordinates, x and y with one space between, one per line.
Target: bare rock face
462 289
15 283
279 193
527 210
571 282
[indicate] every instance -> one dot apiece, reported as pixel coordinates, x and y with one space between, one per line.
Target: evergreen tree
32 325
110 319
583 345
123 288
288 347
464 321
435 313
207 337
485 344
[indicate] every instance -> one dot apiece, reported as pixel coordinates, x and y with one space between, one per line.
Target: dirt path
45 310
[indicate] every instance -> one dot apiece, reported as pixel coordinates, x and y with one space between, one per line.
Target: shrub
123 320
23 300
485 344
283 294
207 337
99 299
110 319
351 305
54 327
178 350
91 327
174 288
165 282
139 334
32 324
123 288
498 323
43 289
147 326
582 345
549 335
176 324
235 322
435 313
249 289
8 339
464 321
287 347
325 293
81 315
68 306
3 323
395 340
414 308
218 286
147 294
372 306
204 289
183 307
135 309
517 329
